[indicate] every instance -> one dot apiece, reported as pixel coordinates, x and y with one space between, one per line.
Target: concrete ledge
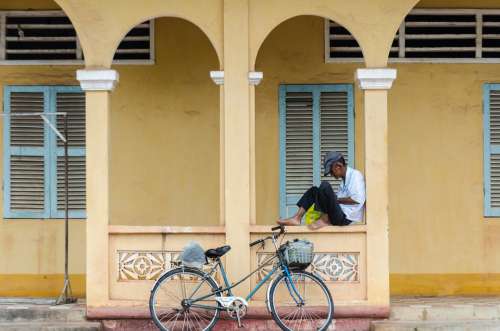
131 229
303 229
126 229
256 313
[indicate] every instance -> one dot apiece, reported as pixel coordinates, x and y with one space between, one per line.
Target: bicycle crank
236 307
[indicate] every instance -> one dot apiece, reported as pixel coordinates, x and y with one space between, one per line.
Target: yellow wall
165 119
439 241
165 134
165 157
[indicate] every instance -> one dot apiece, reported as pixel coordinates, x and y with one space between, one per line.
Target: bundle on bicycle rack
192 256
298 254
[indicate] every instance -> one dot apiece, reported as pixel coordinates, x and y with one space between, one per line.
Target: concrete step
445 312
456 325
51 326
21 313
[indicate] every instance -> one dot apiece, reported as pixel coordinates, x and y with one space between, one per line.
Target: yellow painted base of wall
445 284
26 285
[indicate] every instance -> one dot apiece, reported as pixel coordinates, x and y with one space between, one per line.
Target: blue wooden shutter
337 124
314 119
492 149
26 156
296 129
71 100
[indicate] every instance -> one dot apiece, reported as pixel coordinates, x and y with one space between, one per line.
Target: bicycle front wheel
301 302
170 305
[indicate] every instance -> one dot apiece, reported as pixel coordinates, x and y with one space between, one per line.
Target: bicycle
186 298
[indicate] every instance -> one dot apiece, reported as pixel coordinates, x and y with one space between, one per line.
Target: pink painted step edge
103 313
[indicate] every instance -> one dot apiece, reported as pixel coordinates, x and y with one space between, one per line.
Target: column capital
217 77
97 79
254 77
375 78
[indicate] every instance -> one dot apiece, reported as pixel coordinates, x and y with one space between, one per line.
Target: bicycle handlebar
258 241
275 235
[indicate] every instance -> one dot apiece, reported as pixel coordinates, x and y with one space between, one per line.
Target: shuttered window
34 155
491 105
314 119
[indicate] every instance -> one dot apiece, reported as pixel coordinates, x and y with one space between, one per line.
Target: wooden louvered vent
27 183
342 46
494 142
27 172
430 35
76 183
74 105
299 142
48 37
334 127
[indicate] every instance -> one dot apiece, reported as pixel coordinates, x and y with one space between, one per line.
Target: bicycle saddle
217 252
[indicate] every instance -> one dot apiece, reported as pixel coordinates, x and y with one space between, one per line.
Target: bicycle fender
268 304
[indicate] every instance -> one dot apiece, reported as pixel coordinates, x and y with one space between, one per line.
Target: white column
375 83
97 85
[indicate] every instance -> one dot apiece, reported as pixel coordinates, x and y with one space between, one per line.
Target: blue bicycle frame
228 286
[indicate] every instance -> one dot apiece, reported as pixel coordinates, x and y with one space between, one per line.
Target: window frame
49 151
316 90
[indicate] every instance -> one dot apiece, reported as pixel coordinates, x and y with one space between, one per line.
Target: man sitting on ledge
344 208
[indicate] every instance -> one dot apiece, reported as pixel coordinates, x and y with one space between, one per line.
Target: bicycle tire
271 295
170 275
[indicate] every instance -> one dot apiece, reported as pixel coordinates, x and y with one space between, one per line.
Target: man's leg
327 203
323 221
304 204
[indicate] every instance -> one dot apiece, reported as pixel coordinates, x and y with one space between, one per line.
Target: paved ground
442 314
455 300
407 314
19 314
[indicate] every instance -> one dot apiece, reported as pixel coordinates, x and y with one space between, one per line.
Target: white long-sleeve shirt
353 187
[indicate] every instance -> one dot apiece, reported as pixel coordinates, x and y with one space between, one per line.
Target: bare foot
289 221
318 225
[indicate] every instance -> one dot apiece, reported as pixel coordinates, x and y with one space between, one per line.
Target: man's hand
347 201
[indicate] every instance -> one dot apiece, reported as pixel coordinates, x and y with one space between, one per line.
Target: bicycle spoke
183 287
173 312
311 312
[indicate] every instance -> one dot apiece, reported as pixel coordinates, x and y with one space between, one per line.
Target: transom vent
434 35
49 36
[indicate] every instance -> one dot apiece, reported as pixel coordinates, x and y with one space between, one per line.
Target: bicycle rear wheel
304 305
168 303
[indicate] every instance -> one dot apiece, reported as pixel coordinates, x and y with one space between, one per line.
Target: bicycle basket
298 254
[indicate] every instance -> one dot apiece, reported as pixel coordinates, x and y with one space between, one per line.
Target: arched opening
165 133
293 59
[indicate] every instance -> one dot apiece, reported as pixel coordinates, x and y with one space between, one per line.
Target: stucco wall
165 157
165 118
440 243
165 134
